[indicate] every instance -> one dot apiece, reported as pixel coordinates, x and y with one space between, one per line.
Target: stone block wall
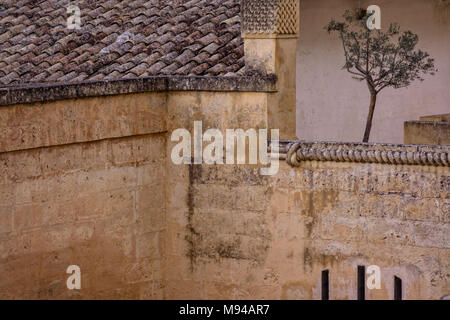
27 126
89 182
427 132
254 237
82 183
215 110
94 185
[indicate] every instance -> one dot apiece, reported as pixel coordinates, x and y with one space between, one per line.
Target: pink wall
333 106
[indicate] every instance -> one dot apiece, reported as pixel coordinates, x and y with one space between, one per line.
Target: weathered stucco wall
429 130
269 238
84 182
217 110
331 106
89 191
26 126
111 201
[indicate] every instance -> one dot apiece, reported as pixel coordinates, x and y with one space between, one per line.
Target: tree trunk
373 101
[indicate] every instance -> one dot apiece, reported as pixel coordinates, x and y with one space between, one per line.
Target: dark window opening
361 282
397 288
325 285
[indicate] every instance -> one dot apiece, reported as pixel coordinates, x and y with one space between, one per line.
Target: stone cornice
58 91
396 154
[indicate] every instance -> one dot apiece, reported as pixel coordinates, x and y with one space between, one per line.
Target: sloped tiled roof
118 40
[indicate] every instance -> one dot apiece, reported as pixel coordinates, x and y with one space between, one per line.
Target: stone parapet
433 131
297 151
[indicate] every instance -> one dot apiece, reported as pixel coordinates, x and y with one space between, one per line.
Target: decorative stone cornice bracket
298 151
270 18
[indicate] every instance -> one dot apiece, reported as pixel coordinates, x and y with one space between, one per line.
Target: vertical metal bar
361 283
325 285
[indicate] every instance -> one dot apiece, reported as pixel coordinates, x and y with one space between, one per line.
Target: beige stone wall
268 54
217 110
270 238
26 126
84 182
141 227
87 189
430 130
427 132
98 205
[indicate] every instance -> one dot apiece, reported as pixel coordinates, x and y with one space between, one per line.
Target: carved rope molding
297 151
270 17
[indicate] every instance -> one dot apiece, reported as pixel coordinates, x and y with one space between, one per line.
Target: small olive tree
372 56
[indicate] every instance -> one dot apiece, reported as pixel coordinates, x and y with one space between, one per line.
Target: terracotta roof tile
200 69
207 39
118 39
155 68
217 69
170 69
184 70
185 57
201 57
211 48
